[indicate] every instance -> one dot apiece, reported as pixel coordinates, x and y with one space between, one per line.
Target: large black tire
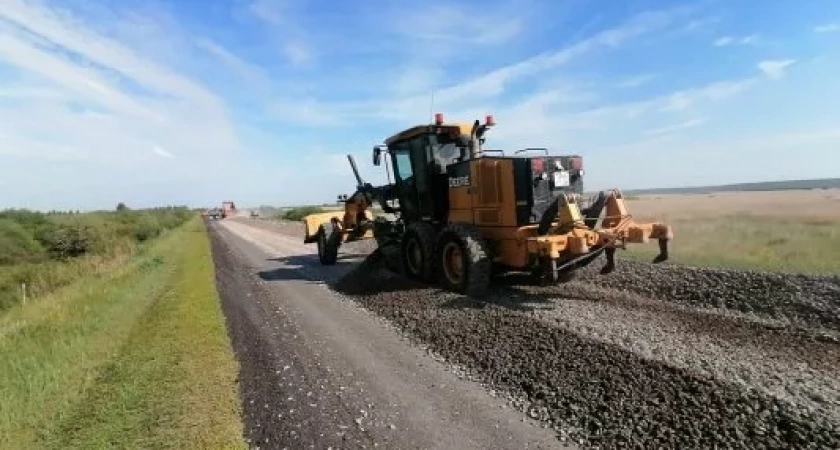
463 246
328 241
418 251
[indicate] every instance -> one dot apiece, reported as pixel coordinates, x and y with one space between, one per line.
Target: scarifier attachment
575 239
619 223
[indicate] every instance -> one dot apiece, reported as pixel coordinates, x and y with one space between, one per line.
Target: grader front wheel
464 261
328 241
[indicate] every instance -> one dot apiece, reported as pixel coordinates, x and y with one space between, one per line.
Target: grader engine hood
561 172
551 176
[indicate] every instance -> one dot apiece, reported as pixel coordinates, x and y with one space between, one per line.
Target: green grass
757 242
135 358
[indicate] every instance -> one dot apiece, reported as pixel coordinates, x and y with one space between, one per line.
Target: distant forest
824 183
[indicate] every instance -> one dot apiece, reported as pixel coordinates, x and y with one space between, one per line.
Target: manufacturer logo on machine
459 181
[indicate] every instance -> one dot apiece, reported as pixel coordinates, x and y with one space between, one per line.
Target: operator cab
429 160
419 157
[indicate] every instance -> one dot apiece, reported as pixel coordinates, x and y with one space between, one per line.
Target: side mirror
377 155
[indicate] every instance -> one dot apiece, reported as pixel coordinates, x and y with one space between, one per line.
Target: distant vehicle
214 214
255 214
228 209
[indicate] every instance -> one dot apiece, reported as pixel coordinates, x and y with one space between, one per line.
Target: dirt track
602 366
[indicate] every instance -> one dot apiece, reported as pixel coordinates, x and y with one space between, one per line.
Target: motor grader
457 214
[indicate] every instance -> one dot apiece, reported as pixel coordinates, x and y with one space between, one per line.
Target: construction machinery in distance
457 214
228 209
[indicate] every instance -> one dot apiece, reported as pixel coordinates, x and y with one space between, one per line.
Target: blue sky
259 101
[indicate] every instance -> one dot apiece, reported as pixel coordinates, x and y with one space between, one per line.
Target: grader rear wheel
418 251
464 261
453 263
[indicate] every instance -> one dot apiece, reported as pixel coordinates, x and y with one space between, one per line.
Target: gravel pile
802 300
591 392
790 364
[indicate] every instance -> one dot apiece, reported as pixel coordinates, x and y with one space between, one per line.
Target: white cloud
289 36
667 161
636 81
272 11
61 31
100 107
697 24
669 129
309 112
452 24
827 28
160 151
538 119
416 80
721 90
484 88
724 41
775 68
298 53
82 80
732 40
246 70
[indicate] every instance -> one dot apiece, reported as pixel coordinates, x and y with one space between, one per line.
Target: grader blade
609 266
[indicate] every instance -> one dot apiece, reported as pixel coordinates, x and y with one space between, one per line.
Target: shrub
145 228
29 220
49 251
17 244
296 214
67 240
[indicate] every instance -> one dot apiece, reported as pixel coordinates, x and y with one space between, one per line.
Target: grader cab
456 213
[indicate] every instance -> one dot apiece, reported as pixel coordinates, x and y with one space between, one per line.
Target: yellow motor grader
457 213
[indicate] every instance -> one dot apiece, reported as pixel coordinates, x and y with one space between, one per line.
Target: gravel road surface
609 367
319 372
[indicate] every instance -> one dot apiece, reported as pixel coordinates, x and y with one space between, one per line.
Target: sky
183 102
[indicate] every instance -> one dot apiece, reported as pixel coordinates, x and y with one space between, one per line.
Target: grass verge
138 358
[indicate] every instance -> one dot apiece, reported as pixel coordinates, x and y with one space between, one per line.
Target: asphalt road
317 371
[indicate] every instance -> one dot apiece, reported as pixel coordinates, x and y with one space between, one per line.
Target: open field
765 186
790 231
135 356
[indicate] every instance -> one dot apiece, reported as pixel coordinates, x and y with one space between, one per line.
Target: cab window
404 165
402 158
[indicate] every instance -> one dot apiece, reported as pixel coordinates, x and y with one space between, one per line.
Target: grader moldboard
457 214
